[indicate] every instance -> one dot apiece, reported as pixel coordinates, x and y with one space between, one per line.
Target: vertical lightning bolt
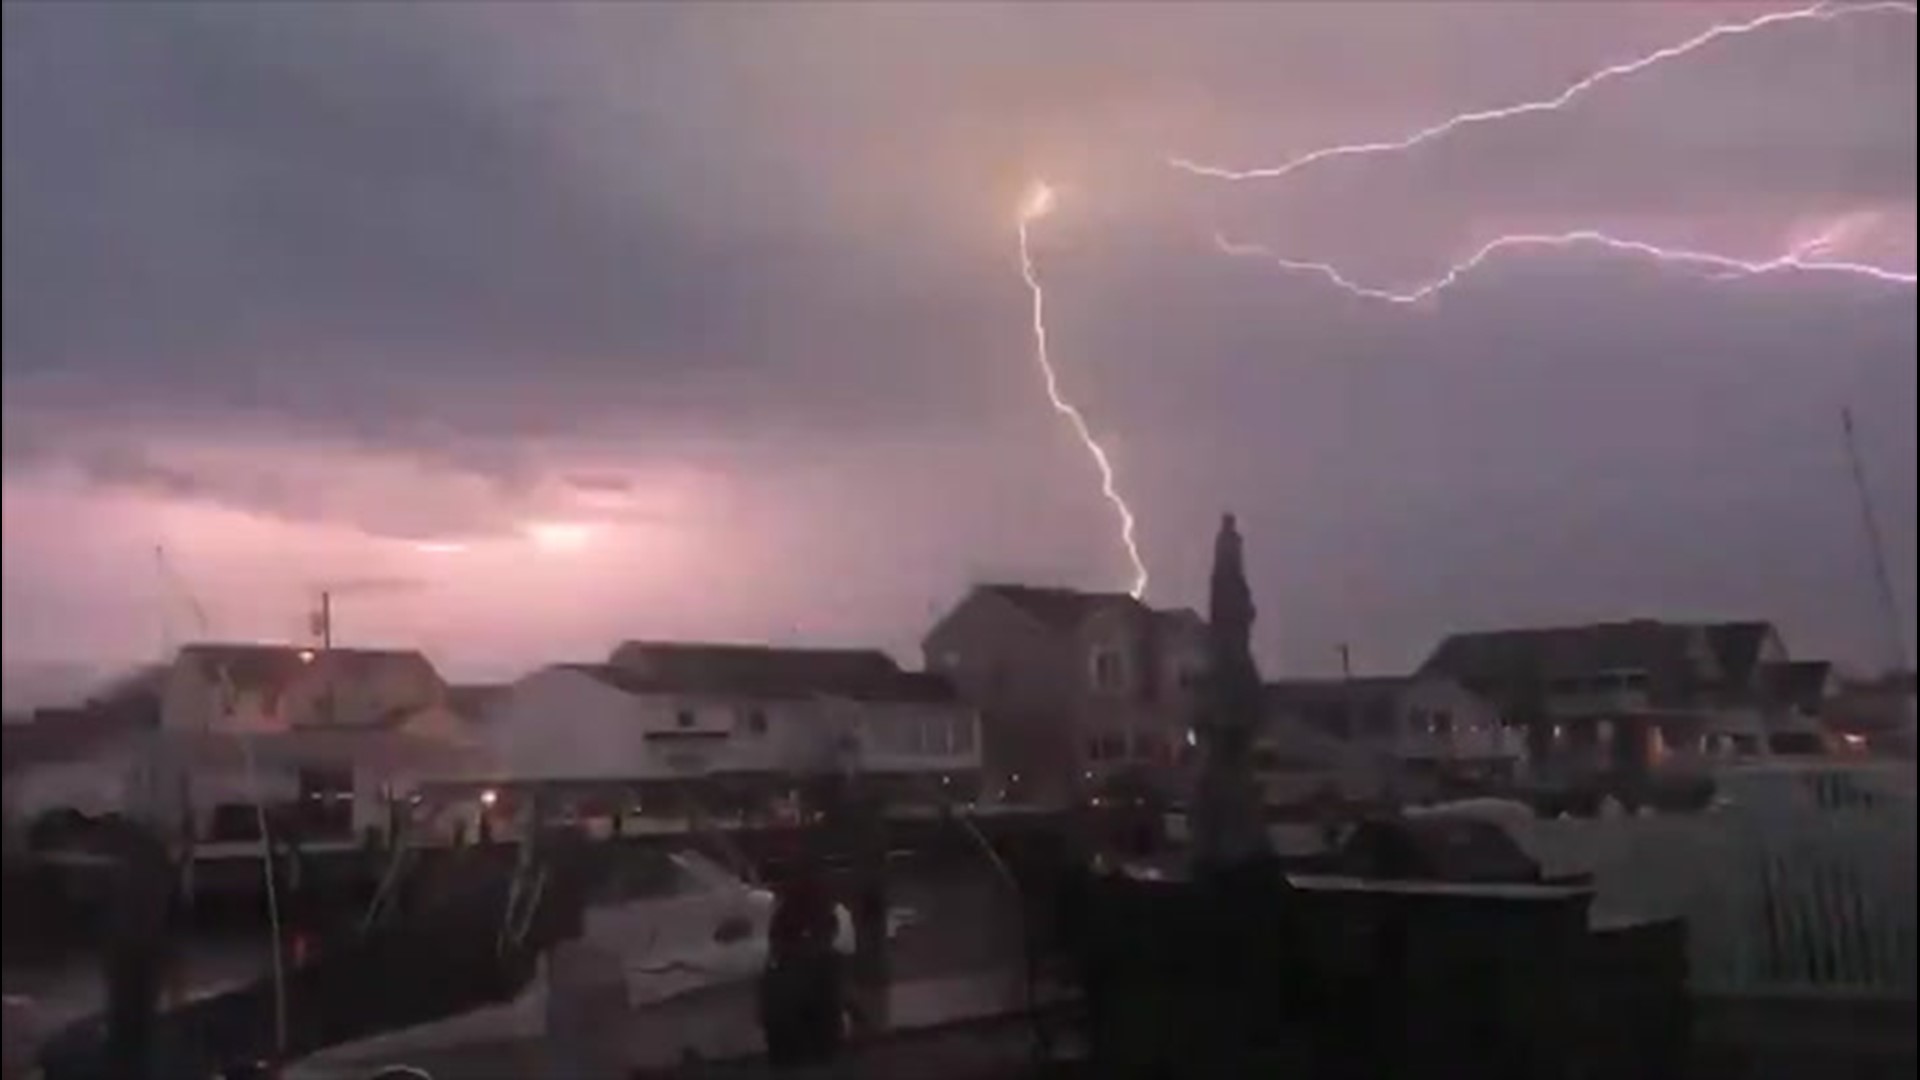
1824 12
1802 259
1038 204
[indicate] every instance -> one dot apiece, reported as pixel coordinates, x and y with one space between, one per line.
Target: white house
1643 694
731 722
329 739
1381 736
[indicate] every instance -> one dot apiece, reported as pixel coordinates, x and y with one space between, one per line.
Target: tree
1227 822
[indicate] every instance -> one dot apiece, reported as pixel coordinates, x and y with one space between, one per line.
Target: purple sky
704 320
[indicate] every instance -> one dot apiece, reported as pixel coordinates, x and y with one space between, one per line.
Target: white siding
915 737
558 724
1474 730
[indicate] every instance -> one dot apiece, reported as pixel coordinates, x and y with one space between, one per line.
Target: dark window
233 821
684 718
1796 742
1093 749
1146 745
756 722
1442 722
1108 673
326 802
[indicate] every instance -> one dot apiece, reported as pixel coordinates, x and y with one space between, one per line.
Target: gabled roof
1801 683
1060 609
71 734
763 671
1502 655
470 701
1736 647
273 668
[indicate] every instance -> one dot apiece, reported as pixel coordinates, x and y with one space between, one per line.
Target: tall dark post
1228 829
137 945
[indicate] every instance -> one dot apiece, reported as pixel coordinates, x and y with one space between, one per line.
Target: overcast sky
530 328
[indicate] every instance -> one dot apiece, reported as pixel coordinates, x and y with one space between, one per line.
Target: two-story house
1629 697
1073 687
667 727
1404 736
328 738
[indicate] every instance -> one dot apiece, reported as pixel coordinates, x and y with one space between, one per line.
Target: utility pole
321 622
323 629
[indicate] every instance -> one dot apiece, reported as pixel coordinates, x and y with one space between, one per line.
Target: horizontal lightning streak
1825 12
1037 206
1802 259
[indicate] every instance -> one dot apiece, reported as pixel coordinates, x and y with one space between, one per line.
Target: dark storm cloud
317 212
775 241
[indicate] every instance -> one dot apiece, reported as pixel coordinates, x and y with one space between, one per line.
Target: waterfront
954 917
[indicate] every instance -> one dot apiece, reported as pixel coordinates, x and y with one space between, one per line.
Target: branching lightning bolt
1804 258
1038 203
1825 12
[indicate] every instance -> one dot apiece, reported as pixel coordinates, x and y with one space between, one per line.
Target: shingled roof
1665 651
71 734
1736 647
1800 683
1061 609
272 668
472 701
763 671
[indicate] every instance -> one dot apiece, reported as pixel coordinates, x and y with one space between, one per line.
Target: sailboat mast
1876 546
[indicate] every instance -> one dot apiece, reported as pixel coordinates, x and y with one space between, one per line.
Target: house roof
1736 646
1640 644
1798 682
70 734
1332 703
764 671
257 667
1061 609
470 701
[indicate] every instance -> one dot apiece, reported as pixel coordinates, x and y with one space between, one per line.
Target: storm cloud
737 283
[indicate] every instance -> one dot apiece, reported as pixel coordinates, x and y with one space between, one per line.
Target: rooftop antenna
1876 547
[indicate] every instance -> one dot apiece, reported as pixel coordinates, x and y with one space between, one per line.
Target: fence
1805 882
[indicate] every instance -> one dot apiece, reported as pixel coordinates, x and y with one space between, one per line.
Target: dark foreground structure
1233 969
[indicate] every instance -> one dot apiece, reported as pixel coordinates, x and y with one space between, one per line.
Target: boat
663 923
470 951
